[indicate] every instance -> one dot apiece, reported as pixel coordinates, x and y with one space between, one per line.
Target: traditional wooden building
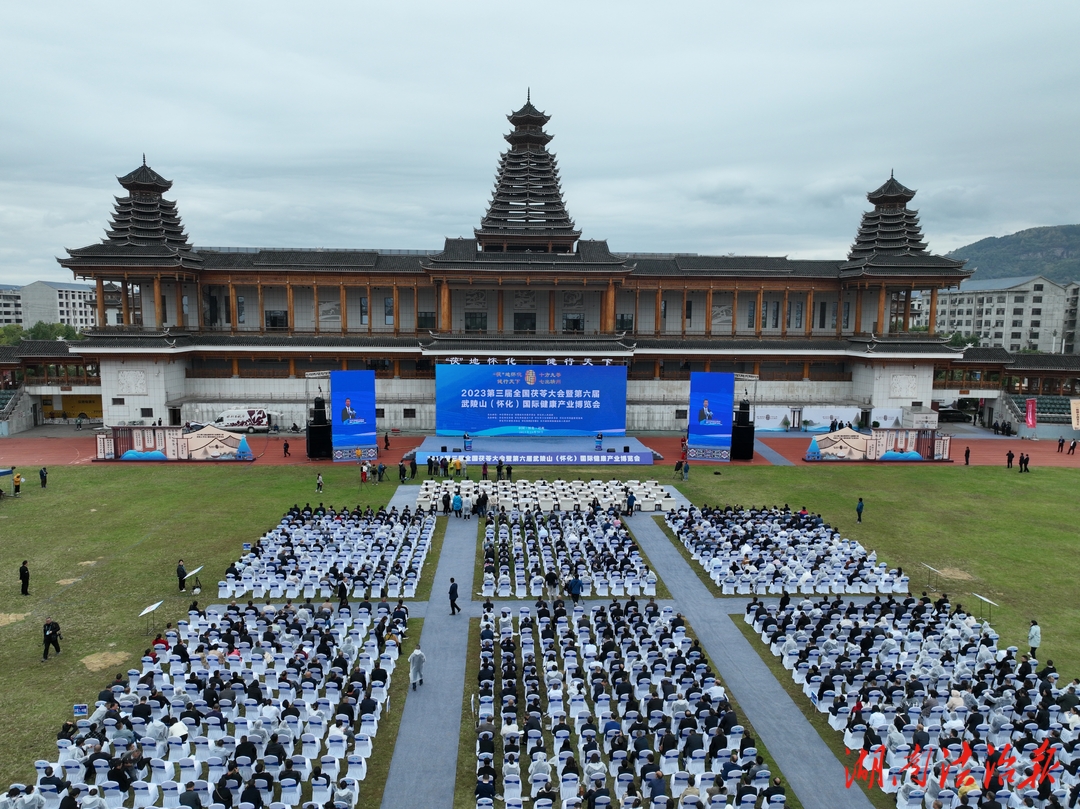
205 328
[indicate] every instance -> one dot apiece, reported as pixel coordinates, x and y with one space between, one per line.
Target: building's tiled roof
1045 362
365 261
986 355
211 341
644 345
728 266
27 349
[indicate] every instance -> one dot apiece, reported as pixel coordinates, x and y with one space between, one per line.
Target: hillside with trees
1053 252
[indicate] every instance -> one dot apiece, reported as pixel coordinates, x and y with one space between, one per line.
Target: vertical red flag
1030 420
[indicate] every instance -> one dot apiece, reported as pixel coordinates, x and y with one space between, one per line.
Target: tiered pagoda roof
890 239
527 212
145 231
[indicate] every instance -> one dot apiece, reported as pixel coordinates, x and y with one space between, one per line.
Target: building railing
62 379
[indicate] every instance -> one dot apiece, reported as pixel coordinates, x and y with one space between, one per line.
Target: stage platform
619 450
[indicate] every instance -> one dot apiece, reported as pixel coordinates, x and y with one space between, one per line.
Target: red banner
1030 420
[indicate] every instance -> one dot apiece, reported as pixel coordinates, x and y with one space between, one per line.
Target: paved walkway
770 454
424 765
811 769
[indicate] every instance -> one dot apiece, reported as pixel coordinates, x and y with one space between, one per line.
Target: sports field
103 541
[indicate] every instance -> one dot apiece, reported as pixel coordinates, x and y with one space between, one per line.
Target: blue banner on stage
530 399
712 405
352 414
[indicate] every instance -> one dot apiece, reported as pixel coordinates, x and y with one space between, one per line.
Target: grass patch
819 721
378 765
427 575
695 566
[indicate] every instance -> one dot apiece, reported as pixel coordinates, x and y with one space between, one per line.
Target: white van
249 420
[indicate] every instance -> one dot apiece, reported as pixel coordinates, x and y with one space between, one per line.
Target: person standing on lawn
1035 638
1009 459
24 578
859 510
43 473
51 637
181 576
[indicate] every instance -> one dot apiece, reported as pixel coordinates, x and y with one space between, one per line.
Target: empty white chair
145 794
170 795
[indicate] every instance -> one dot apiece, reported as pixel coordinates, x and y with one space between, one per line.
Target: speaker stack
742 434
320 443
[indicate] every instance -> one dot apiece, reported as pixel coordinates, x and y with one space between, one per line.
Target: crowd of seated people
939 711
316 551
524 554
241 705
773 550
604 705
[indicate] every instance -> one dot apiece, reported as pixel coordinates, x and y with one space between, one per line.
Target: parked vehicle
951 414
249 420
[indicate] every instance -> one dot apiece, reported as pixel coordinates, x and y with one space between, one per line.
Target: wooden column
292 367
344 364
858 310
315 305
159 314
289 313
101 304
806 370
499 311
342 301
757 312
371 309
784 314
416 308
757 368
839 312
261 314
612 306
235 367
446 321
931 322
907 310
682 314
397 363
659 303
734 311
656 369
882 326
397 312
708 366
198 303
180 304
551 312
232 305
809 313
125 305
708 317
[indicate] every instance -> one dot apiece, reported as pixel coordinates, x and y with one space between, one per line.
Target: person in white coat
416 667
1035 639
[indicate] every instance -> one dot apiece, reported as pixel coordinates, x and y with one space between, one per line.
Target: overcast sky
747 128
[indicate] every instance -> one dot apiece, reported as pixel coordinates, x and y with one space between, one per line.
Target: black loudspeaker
626 448
442 448
319 414
319 442
742 415
742 442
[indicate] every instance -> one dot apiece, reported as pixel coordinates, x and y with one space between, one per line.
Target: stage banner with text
535 400
352 414
712 405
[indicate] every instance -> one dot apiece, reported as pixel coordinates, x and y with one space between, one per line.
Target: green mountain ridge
1053 252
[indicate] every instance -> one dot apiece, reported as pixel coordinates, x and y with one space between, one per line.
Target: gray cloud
699 127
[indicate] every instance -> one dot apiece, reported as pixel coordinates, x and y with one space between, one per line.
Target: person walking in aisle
859 510
416 667
454 608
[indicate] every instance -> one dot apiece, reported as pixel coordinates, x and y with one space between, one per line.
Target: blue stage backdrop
712 406
352 413
536 400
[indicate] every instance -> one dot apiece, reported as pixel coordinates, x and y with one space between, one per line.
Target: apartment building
52 302
1025 313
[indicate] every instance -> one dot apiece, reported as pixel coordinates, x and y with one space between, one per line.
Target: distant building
10 305
51 302
1025 313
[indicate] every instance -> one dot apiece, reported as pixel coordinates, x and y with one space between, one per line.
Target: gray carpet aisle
812 771
424 766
